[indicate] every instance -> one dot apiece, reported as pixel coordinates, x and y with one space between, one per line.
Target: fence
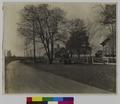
104 60
90 60
74 60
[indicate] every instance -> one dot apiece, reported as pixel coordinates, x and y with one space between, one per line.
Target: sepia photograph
59 47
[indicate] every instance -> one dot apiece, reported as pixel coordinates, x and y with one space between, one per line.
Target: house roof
105 41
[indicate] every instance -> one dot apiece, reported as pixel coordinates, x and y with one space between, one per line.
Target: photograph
59 47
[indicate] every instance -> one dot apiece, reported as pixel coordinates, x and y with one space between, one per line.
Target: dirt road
21 78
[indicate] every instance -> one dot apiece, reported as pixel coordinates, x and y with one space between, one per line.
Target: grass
101 76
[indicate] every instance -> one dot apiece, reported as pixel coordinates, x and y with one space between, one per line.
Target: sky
15 43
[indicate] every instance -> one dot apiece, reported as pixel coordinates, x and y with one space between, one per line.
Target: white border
79 99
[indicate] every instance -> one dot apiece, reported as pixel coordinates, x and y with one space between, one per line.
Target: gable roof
105 41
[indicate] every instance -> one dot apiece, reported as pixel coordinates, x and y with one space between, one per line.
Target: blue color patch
57 98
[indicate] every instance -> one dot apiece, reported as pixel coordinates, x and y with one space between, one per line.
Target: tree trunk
71 53
52 50
113 40
50 61
34 50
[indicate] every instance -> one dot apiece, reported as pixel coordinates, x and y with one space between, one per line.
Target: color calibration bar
50 100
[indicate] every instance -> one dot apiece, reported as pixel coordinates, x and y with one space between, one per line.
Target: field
101 76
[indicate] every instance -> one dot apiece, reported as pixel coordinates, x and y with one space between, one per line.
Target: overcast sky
15 43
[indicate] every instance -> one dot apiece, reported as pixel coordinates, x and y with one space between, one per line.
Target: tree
42 23
78 41
108 19
108 14
26 27
9 53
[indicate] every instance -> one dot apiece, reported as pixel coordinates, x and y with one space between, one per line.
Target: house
63 54
109 47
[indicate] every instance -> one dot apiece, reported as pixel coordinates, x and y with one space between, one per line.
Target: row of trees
43 24
39 23
48 26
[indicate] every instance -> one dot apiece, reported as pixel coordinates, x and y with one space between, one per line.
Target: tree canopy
78 41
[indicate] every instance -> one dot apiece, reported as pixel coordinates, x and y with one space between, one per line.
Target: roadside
25 79
100 76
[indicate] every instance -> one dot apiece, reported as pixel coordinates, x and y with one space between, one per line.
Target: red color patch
29 99
65 102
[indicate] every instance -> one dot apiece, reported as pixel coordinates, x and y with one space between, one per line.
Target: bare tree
26 26
42 23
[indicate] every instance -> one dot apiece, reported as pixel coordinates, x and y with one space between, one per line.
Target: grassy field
101 76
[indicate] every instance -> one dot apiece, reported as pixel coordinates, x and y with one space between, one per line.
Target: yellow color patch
36 98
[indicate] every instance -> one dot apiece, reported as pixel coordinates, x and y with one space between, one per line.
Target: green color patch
48 99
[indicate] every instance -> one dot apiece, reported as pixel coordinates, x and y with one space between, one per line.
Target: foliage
108 14
99 53
78 41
